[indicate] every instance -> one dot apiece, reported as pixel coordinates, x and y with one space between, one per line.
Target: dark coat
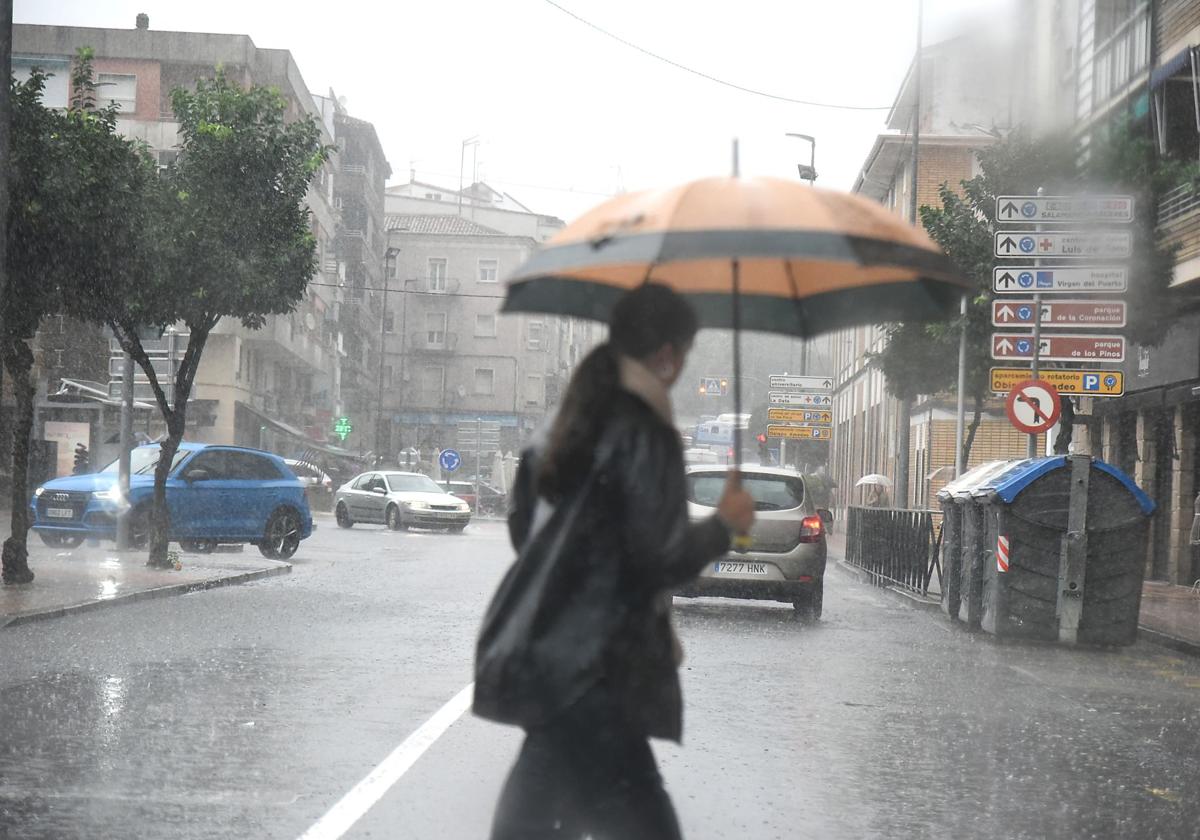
584 601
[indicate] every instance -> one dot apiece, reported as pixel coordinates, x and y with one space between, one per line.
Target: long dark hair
643 321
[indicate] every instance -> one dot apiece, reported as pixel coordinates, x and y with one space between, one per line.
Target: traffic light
724 386
81 459
764 454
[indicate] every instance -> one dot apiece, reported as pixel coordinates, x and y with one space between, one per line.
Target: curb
148 594
1168 641
1154 637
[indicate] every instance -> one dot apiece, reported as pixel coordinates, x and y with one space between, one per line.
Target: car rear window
770 492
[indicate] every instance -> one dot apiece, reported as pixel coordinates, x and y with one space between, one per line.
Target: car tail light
811 529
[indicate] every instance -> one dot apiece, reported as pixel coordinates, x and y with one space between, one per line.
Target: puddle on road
91 754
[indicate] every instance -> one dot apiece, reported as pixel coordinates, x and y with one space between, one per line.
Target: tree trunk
176 417
976 418
18 358
903 435
160 526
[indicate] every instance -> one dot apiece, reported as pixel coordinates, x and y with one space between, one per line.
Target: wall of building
435 383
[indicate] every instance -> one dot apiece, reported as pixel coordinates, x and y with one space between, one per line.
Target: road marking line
351 807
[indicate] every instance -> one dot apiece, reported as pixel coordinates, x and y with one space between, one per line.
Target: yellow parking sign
1074 383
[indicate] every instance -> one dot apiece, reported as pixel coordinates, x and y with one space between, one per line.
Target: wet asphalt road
249 711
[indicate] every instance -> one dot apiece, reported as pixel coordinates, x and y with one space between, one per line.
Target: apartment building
279 387
965 104
452 356
1138 62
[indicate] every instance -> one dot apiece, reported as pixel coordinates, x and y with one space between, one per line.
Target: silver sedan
400 500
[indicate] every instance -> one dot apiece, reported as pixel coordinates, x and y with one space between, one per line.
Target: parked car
786 559
491 500
400 500
318 485
215 494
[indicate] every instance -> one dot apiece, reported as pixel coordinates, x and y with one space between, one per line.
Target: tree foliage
77 192
231 239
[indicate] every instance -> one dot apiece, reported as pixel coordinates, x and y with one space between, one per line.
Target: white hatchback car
400 500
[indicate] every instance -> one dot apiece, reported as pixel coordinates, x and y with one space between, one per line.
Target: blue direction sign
1016 279
450 460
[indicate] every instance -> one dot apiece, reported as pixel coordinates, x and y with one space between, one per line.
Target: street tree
78 193
34 246
232 240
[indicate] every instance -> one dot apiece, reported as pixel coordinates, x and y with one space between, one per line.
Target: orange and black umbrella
749 253
793 259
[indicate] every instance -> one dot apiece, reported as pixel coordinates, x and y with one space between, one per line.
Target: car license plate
729 567
60 513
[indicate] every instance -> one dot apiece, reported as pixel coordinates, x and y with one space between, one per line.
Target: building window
389 322
433 380
489 271
387 377
435 329
485 381
434 196
118 88
534 389
437 275
536 335
485 326
55 93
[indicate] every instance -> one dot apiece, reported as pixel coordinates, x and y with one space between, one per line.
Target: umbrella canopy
833 259
874 479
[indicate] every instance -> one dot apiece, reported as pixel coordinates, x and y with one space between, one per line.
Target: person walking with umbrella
577 646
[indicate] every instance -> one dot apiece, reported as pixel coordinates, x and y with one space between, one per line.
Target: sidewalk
1170 615
86 578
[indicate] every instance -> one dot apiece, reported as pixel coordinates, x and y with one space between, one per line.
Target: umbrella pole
737 365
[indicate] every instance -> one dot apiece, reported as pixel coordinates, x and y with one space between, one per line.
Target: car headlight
39 492
112 494
417 505
463 507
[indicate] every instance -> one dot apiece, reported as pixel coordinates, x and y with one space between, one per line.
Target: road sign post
799 432
1060 314
1033 407
1072 383
1059 348
1064 208
1066 244
1069 246
1025 279
450 460
790 382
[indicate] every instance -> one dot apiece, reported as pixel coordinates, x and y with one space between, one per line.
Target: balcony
1179 221
1121 57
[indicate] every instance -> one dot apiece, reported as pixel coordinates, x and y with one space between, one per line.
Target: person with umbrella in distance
577 646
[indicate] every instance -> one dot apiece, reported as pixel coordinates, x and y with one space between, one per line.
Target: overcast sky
565 114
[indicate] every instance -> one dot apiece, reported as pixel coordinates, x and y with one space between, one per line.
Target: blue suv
215 494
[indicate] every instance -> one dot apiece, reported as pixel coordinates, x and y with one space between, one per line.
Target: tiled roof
440 224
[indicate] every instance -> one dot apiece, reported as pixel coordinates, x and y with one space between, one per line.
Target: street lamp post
808 172
389 268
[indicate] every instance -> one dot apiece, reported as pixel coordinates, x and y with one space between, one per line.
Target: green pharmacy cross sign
342 427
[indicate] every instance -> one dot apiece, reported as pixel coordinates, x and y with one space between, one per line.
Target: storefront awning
1171 67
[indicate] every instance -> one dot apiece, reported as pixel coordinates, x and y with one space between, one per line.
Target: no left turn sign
1033 406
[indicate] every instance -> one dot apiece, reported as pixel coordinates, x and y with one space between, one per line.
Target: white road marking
351 807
